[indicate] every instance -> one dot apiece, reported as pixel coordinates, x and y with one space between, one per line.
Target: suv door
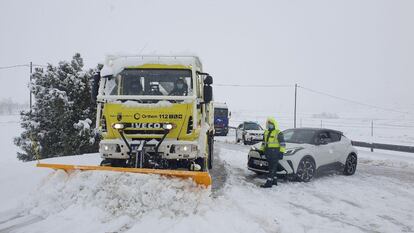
339 146
325 152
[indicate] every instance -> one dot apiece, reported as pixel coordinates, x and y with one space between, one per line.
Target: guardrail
382 146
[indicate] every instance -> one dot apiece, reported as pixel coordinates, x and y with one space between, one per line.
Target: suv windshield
252 126
167 82
299 135
220 112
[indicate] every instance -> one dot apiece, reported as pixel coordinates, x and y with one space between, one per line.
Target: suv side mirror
95 87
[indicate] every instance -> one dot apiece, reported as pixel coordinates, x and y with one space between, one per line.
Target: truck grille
142 131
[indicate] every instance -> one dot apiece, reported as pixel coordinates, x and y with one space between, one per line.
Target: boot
275 181
268 184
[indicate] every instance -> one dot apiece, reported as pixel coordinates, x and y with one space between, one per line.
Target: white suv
249 132
309 151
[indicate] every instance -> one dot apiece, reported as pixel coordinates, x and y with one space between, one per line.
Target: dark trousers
272 157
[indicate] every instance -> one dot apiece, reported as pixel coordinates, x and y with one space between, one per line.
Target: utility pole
30 88
296 96
372 136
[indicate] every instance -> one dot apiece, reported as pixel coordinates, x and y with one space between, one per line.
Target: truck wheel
202 163
105 163
113 163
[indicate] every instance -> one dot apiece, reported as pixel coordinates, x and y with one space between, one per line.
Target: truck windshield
220 112
166 82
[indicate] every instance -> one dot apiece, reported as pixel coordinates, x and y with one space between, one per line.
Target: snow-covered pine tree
62 117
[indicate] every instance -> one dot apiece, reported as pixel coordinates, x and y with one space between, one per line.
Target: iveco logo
137 116
147 125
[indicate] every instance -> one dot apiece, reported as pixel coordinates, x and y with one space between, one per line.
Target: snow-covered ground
378 198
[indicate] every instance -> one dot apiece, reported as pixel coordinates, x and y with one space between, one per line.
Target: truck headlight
292 151
118 126
167 126
109 148
185 148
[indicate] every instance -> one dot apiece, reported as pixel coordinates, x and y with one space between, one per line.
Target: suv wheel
350 165
306 170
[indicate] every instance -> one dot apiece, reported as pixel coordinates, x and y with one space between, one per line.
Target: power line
13 66
351 101
244 85
20 65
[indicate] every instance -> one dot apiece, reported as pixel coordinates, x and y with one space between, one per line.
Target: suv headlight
185 148
292 151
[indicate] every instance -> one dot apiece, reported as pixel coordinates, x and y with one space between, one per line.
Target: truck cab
155 112
221 119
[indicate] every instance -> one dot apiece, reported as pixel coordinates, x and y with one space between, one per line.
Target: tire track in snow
18 222
331 217
218 174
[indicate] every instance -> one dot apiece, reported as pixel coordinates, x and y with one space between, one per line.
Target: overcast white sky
356 49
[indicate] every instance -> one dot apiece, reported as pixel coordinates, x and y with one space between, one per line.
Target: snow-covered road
378 198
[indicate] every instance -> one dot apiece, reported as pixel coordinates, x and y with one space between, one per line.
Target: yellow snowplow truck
155 115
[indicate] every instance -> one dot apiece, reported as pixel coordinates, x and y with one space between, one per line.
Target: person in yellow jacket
273 147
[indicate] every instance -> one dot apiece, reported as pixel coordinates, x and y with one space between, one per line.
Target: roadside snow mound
117 194
387 163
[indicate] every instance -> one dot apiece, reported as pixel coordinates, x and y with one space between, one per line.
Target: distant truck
221 119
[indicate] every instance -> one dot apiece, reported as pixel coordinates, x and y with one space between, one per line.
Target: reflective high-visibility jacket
273 139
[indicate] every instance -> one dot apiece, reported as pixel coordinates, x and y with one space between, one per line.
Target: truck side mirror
208 90
208 80
208 94
95 87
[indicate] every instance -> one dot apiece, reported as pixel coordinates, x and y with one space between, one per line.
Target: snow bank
386 158
116 194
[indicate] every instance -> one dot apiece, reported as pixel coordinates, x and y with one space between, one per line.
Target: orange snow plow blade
201 178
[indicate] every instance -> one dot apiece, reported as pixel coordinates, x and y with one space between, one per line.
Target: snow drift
116 194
